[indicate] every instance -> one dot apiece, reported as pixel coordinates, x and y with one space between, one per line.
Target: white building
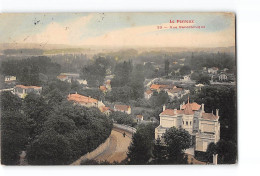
10 79
203 127
22 91
148 94
123 108
185 78
68 77
222 77
213 70
176 92
88 102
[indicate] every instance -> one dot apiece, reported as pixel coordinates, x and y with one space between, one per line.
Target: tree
14 136
95 73
159 152
166 67
185 70
211 150
159 99
203 79
122 118
138 151
177 140
50 148
227 152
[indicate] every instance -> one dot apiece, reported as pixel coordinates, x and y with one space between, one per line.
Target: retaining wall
101 148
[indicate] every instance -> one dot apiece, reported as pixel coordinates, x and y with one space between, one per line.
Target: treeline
220 60
31 71
23 52
49 128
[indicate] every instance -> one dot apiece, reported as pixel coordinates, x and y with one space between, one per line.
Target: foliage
203 79
14 136
185 70
140 150
122 118
95 72
166 67
159 99
159 152
227 152
14 129
177 140
28 70
211 150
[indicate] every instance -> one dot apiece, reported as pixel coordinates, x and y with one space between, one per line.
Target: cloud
59 33
72 33
150 36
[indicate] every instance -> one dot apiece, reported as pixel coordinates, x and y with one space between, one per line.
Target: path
117 150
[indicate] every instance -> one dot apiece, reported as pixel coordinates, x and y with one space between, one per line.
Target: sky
119 29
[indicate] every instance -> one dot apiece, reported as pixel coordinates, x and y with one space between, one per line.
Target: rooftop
209 116
81 99
148 92
28 87
122 107
175 90
194 106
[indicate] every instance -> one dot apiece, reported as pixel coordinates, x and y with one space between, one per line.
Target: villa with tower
203 127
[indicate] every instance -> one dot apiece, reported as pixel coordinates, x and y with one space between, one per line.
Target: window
187 123
183 122
190 122
194 121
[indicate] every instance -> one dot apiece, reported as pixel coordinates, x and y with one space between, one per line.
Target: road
118 147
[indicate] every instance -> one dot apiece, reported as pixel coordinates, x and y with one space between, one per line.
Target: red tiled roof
122 107
103 88
175 90
161 86
28 87
188 109
139 116
209 116
62 76
194 106
148 92
104 109
81 99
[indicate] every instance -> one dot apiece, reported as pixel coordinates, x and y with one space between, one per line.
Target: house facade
148 94
203 127
21 90
85 101
213 70
177 92
222 77
10 79
123 108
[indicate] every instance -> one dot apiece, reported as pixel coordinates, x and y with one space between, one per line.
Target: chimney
164 107
202 107
215 159
217 112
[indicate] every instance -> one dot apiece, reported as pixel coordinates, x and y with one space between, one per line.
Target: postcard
118 88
